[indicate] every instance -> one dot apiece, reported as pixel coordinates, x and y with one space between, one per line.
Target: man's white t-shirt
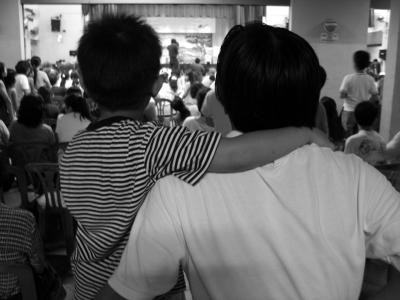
69 125
297 229
368 145
21 85
358 87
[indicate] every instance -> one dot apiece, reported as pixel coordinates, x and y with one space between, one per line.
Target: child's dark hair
197 60
366 113
31 111
201 96
336 130
22 67
78 105
361 60
9 80
275 70
74 90
119 61
178 105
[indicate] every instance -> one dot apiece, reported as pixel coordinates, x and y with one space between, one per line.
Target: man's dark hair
31 110
197 60
361 60
201 96
268 78
22 67
366 113
119 61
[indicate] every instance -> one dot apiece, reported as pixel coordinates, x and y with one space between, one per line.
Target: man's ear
157 85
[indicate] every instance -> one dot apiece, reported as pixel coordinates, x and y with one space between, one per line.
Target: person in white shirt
367 143
198 122
22 87
77 118
355 88
209 78
297 229
40 78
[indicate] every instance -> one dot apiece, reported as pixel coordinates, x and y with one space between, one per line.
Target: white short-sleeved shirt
299 228
368 145
68 125
214 110
42 79
358 87
21 84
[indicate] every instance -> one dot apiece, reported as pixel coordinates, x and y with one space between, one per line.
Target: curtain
240 14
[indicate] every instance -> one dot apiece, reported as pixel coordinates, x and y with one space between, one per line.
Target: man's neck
131 114
365 128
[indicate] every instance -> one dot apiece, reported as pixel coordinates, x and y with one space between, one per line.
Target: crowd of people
258 206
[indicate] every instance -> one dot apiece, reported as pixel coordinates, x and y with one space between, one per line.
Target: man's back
296 229
358 87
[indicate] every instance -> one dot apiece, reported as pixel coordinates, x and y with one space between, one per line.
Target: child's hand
320 138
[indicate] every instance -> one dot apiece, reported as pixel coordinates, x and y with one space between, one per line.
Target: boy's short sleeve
343 86
180 152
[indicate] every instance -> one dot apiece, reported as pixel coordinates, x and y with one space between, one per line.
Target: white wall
11 42
49 47
307 17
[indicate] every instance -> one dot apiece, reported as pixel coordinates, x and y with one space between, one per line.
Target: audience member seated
51 110
182 110
6 111
198 70
29 127
169 90
248 235
367 143
356 88
336 131
22 86
40 78
392 151
215 114
20 243
209 79
76 118
4 134
198 122
9 82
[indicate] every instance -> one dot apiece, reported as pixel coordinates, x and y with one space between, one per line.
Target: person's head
178 105
77 105
336 131
53 76
74 90
173 83
45 94
119 62
366 113
22 67
36 62
201 95
195 88
275 70
3 71
197 60
9 80
31 110
173 41
361 60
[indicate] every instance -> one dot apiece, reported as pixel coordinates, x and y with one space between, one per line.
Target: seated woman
29 127
76 118
21 244
51 110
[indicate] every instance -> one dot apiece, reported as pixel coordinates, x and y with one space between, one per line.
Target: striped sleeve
180 152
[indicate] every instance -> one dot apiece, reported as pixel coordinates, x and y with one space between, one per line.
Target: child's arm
256 149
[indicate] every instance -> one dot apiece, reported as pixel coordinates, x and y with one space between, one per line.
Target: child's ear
157 85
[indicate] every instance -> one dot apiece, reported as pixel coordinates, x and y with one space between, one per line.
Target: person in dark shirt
173 50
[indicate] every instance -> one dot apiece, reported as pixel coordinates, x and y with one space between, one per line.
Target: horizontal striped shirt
106 173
